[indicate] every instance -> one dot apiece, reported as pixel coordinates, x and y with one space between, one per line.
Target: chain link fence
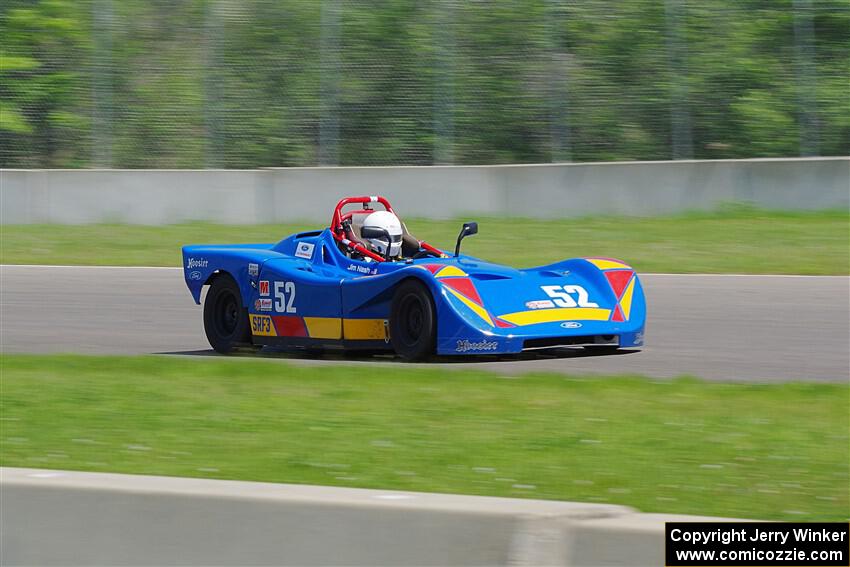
259 83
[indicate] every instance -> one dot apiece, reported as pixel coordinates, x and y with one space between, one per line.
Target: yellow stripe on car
477 309
350 329
450 271
364 329
324 327
521 318
626 301
603 264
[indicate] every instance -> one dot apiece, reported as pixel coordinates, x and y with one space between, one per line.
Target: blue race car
366 283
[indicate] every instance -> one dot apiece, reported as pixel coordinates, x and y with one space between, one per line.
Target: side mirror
469 228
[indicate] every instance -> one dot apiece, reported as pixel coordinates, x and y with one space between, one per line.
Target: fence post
212 86
102 83
806 76
444 54
559 126
680 117
329 43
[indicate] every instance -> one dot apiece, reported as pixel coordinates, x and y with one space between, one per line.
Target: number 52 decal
562 295
284 297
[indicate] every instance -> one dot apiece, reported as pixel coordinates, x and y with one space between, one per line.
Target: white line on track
47 266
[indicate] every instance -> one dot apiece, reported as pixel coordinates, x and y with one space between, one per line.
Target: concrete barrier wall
75 518
537 191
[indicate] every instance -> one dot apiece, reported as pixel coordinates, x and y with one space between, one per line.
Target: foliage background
257 83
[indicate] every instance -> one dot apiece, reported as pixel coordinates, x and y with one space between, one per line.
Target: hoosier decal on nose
197 263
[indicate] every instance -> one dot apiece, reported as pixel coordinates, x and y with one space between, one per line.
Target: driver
389 225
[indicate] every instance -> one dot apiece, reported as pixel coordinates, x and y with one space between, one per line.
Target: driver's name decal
362 269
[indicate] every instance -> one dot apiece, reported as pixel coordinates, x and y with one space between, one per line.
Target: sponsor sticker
197 263
263 304
480 346
305 250
253 269
195 276
571 325
539 304
262 325
264 288
639 338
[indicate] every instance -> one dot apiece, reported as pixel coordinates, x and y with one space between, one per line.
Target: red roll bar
339 218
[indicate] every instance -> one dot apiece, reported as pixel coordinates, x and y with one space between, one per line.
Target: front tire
413 321
225 318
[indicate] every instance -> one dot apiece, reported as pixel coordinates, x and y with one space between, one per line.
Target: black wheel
413 321
225 319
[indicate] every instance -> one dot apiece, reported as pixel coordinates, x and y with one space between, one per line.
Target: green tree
246 83
43 98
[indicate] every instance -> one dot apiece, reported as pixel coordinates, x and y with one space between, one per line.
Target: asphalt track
730 328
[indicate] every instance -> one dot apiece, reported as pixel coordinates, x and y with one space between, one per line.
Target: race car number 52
562 295
284 297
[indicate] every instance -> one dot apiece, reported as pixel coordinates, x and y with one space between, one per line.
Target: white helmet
383 223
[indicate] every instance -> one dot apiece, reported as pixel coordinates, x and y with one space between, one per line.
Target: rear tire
413 321
225 318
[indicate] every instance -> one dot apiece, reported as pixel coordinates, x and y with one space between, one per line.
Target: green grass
775 452
736 240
